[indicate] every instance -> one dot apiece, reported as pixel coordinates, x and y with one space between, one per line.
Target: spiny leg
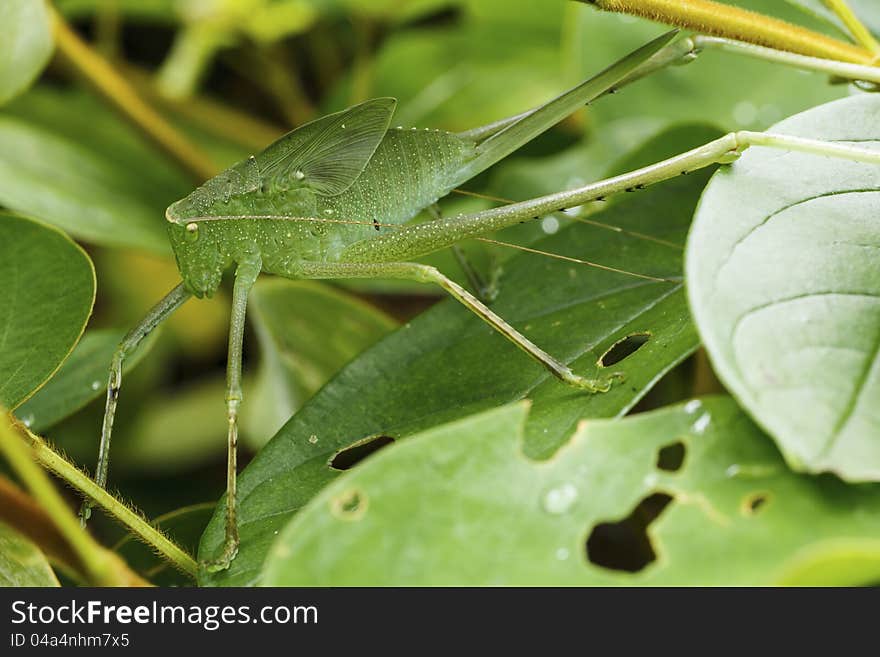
420 239
157 314
486 290
245 277
426 274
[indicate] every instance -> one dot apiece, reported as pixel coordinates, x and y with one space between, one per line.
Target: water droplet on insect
562 554
313 439
299 175
96 385
732 471
701 424
693 406
28 420
560 499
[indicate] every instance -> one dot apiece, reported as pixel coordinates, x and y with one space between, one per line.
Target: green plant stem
99 569
856 28
140 527
858 72
119 93
716 19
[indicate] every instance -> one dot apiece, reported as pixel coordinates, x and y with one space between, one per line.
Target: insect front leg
245 277
158 314
426 274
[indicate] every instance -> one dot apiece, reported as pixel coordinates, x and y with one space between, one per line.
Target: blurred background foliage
234 74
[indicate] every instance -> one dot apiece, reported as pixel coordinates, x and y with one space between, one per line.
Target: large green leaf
65 159
25 44
447 363
21 562
460 505
307 331
784 284
47 287
82 378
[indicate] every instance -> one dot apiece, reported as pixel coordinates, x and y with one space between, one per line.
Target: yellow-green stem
119 93
717 19
140 527
92 556
856 28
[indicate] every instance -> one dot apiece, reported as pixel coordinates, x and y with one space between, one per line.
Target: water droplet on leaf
560 499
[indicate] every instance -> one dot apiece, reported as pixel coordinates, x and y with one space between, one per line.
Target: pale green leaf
784 285
21 562
26 44
461 505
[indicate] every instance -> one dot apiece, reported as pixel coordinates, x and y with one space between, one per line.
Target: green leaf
82 378
307 331
46 296
785 288
21 562
448 364
26 44
460 505
66 160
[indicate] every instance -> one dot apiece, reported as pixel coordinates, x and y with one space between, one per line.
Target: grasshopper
332 198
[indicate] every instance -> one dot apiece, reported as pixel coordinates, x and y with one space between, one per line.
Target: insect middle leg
245 277
426 274
486 289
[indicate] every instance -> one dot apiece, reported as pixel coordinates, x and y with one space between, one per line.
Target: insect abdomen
410 170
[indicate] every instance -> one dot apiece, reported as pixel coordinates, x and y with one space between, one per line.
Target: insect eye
192 232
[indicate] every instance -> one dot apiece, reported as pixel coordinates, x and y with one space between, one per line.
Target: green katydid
317 204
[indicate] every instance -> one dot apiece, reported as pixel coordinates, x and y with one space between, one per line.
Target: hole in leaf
624 348
671 457
349 505
624 545
754 503
354 454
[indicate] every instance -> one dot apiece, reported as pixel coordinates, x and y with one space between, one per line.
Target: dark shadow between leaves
624 348
350 456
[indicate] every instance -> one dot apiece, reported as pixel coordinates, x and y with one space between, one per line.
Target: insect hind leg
426 274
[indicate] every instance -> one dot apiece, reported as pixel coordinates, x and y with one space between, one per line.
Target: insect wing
328 154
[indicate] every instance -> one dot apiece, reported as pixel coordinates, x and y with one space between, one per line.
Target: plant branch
54 462
855 72
716 19
119 93
102 567
856 28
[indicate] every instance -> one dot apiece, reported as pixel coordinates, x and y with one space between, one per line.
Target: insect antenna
578 261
